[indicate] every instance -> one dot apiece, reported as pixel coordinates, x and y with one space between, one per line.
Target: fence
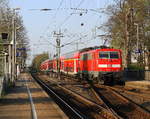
136 75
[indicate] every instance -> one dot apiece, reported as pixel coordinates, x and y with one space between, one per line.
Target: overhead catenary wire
70 3
48 41
74 41
54 16
76 9
69 16
61 2
66 19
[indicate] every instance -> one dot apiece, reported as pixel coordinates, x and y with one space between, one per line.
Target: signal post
58 50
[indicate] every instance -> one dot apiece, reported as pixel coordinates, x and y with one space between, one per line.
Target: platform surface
17 104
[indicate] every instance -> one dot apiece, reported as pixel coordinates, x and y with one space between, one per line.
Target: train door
90 62
62 65
75 66
83 62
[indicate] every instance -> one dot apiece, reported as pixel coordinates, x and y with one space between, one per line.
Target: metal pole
58 56
137 36
138 54
5 64
58 48
10 61
13 46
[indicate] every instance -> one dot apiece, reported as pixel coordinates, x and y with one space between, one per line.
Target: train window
81 57
85 56
108 55
114 55
104 55
89 56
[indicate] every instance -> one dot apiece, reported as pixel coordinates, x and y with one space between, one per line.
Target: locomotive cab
109 65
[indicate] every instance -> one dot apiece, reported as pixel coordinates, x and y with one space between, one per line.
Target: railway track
139 96
132 91
86 108
106 98
111 99
121 105
73 113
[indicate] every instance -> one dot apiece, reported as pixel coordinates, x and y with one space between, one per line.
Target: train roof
75 54
98 48
47 60
93 48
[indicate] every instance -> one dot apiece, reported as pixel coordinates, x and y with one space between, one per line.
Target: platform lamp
14 44
4 36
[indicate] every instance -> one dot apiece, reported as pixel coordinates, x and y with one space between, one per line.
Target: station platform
28 100
138 84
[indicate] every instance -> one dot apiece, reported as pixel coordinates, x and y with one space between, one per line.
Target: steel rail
64 102
105 105
119 90
136 107
107 113
101 104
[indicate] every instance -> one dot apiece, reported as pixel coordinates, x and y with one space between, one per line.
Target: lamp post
14 45
137 35
137 43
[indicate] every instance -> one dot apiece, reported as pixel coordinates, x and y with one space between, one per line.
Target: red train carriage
61 63
50 65
45 65
105 64
70 63
54 66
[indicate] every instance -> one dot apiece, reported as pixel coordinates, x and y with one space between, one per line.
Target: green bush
135 67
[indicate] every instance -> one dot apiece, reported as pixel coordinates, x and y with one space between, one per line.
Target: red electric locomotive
101 64
94 63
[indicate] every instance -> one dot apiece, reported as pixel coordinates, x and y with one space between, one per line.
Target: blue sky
41 25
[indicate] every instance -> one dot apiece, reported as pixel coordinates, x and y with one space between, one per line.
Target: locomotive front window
114 55
108 55
104 55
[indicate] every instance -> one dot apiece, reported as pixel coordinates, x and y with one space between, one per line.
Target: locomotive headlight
116 65
102 65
